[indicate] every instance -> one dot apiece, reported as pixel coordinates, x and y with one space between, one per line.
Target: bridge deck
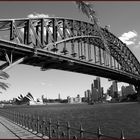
67 44
47 60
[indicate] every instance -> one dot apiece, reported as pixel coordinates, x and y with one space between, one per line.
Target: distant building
87 97
97 85
86 94
94 94
113 90
123 91
126 90
74 100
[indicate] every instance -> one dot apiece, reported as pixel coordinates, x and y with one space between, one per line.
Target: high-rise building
123 91
94 93
97 85
88 95
110 91
127 90
115 89
102 91
74 100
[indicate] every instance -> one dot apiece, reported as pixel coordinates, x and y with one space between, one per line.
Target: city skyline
24 79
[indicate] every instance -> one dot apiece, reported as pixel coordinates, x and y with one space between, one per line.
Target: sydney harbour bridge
67 44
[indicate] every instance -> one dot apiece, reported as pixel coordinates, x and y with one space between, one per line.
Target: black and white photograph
69 70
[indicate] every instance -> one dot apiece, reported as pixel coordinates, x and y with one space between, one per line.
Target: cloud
43 83
37 15
129 38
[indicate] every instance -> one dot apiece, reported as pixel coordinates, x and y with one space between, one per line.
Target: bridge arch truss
58 42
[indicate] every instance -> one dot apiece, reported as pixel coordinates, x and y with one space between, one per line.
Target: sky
123 19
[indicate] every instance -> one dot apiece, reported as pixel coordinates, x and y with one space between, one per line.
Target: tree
88 10
3 76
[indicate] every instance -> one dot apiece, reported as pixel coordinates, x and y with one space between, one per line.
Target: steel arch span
66 44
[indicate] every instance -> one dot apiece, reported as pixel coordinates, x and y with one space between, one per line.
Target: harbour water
111 117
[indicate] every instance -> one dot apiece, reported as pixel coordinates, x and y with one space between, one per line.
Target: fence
43 127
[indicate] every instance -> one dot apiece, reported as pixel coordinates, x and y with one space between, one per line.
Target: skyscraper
88 95
94 93
97 85
115 89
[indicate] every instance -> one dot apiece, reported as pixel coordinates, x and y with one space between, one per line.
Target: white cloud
43 83
127 42
37 15
129 38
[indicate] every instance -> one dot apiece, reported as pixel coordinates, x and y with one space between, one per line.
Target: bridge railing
46 128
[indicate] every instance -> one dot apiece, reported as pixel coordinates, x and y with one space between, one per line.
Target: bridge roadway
9 130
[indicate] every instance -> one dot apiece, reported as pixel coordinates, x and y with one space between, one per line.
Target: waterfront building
113 90
97 85
94 94
123 91
88 95
74 100
126 90
108 92
102 92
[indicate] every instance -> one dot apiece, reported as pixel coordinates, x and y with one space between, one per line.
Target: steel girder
71 38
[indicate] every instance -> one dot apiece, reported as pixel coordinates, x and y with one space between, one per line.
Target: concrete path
9 130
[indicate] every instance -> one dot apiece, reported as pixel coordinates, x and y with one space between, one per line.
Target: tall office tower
110 91
102 91
85 93
97 85
94 93
92 86
115 89
88 95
